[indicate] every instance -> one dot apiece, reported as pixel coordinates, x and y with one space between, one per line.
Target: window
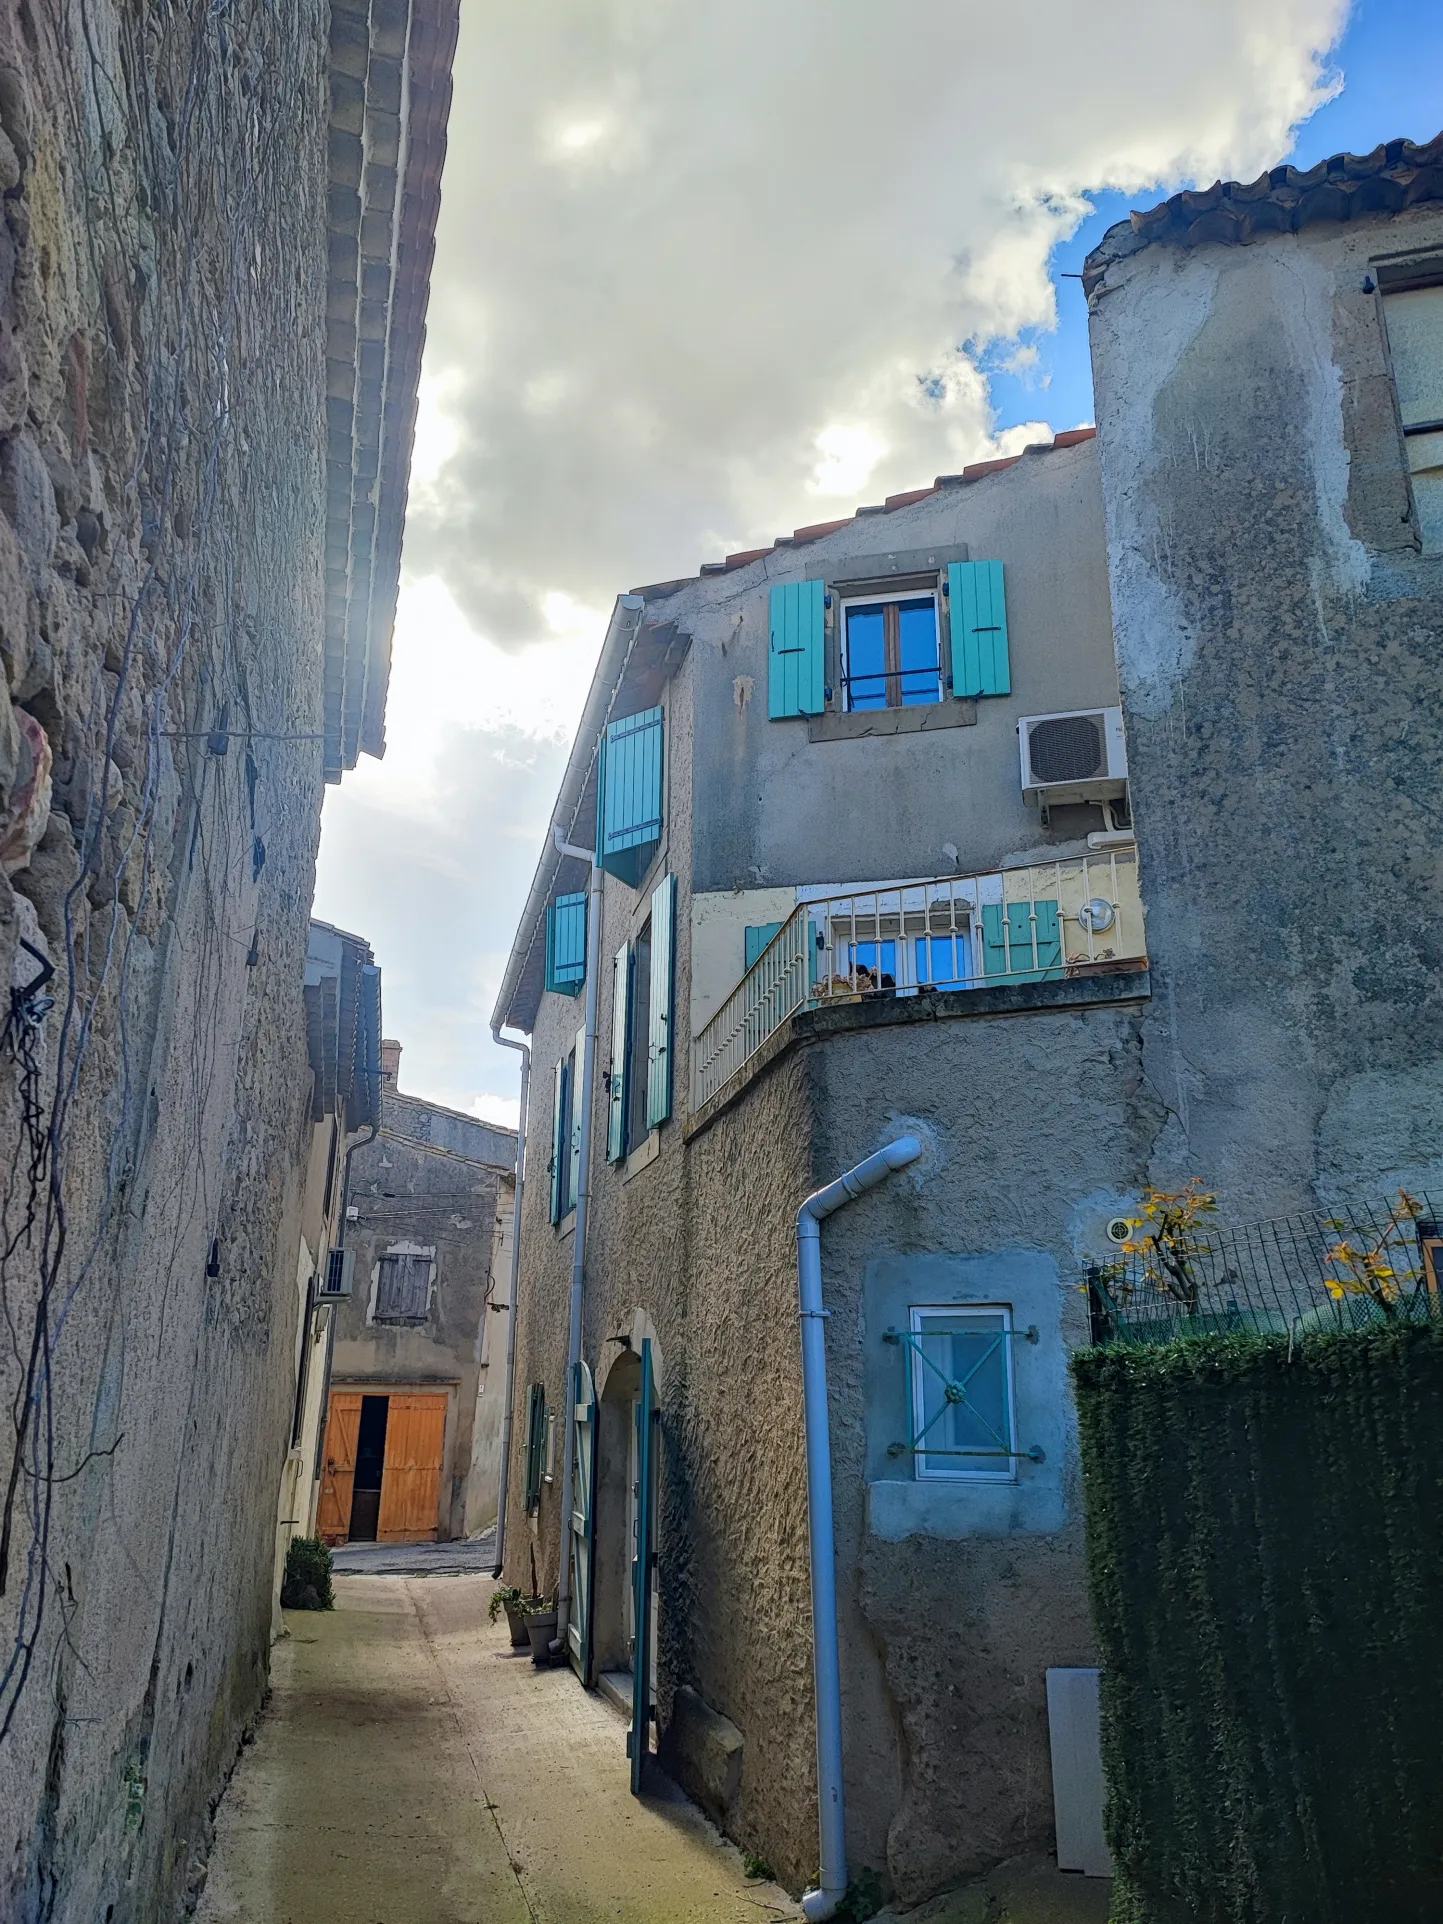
403 1285
638 1039
639 1075
566 1129
566 944
1415 341
891 653
962 1406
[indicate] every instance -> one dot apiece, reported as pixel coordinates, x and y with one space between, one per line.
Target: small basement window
964 1419
891 652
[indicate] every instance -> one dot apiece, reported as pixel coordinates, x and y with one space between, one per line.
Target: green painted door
583 1512
638 1742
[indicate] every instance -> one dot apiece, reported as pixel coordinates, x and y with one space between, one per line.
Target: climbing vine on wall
1266 1566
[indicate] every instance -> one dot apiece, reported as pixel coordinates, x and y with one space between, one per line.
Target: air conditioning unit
1074 757
336 1279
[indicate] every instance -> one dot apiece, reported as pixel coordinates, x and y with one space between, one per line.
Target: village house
864 874
215 246
1268 366
415 1407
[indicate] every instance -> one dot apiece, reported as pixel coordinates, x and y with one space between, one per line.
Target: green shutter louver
758 938
658 1074
1017 948
566 944
629 795
559 1135
978 604
578 1090
620 1040
797 654
535 1444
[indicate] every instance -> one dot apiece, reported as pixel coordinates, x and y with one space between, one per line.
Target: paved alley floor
410 1770
468 1556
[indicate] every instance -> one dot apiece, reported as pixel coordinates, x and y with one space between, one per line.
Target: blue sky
1391 60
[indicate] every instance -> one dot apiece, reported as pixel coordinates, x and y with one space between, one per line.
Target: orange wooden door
338 1476
411 1479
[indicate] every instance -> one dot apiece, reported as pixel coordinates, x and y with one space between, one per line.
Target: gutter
621 632
831 1887
504 1487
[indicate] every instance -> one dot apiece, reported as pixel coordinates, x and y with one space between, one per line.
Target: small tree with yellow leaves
1168 1236
1378 1268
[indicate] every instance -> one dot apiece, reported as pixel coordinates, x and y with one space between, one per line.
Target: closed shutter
535 1443
558 1138
566 944
797 658
658 1078
403 1288
620 1044
578 1059
978 602
758 938
629 785
1008 946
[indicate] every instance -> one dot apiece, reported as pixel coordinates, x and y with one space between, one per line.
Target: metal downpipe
831 1888
504 1487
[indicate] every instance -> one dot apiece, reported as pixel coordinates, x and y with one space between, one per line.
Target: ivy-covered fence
1265 1542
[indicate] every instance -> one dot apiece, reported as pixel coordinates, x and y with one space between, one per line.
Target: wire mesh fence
1368 1264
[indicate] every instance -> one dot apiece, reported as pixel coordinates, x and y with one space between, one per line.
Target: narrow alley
410 1768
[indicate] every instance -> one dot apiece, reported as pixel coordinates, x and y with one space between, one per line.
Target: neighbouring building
1268 363
343 1044
215 242
413 1439
860 806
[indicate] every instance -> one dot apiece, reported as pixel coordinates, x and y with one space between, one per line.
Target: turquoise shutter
558 1137
797 660
535 1443
620 1014
566 944
758 938
658 1076
629 784
978 602
1008 948
578 1058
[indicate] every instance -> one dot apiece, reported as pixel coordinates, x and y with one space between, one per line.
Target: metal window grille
961 1394
1047 922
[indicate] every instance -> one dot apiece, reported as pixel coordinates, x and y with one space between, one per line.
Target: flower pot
516 1623
540 1628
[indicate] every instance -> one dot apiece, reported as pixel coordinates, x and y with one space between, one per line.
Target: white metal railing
1042 923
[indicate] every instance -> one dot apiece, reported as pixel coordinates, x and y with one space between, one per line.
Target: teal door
583 1511
638 1742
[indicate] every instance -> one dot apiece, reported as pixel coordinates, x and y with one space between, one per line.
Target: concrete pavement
410 1770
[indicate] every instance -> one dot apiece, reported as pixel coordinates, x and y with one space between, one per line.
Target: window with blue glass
891 652
944 961
963 1407
877 960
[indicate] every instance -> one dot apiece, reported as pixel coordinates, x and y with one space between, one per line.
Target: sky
707 273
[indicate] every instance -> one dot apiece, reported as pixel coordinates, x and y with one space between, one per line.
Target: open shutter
566 944
535 1443
558 1137
978 602
658 1078
797 659
620 1039
577 1089
628 816
1019 948
758 938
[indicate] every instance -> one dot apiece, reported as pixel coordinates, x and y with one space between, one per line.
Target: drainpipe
504 1489
826 1664
583 1201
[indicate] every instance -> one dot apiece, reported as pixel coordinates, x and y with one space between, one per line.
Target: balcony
1051 922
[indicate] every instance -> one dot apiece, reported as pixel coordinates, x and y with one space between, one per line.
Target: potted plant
541 1628
515 1602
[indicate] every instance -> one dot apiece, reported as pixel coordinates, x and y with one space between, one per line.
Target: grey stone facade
163 450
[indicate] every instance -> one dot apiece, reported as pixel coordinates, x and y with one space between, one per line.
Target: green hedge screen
1265 1547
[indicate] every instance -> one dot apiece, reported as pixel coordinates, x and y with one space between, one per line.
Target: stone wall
162 422
1278 634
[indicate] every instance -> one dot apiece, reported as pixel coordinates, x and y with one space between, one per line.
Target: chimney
390 1063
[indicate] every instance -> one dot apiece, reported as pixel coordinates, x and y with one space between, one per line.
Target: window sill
567 1223
867 724
642 1157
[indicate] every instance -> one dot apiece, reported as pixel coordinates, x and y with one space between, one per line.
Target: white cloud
725 269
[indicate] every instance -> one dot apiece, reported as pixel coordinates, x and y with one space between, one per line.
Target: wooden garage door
333 1514
411 1480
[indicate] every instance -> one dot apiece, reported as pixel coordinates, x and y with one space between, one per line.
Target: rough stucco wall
161 461
1278 638
410 1187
